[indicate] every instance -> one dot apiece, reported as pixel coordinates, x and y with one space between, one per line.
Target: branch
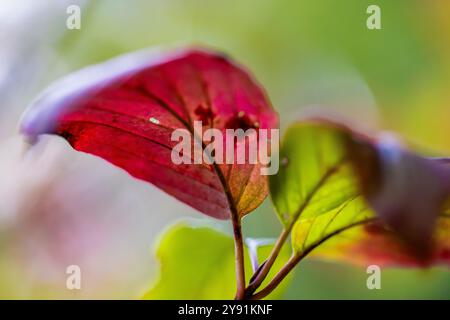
239 258
237 232
262 273
292 262
296 258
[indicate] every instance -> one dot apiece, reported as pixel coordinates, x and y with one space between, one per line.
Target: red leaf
126 109
406 190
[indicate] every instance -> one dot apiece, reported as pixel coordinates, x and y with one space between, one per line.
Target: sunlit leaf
198 263
126 109
336 184
314 176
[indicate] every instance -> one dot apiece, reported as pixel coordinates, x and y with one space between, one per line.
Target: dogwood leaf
334 182
125 111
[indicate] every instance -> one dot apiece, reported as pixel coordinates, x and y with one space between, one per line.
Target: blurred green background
309 55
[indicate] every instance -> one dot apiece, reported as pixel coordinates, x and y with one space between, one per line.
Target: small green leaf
198 263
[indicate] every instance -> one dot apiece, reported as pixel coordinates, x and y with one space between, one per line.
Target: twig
296 258
259 278
261 274
239 260
292 262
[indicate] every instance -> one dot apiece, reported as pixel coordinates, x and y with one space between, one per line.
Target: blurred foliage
198 263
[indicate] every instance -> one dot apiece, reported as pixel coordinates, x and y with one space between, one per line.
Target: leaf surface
359 199
126 109
198 263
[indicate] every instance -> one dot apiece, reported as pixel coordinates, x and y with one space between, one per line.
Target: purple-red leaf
126 109
406 190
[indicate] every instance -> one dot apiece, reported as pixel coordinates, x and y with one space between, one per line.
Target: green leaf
363 240
198 263
314 177
309 232
350 198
